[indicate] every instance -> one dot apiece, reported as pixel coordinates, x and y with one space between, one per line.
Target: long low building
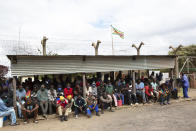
27 65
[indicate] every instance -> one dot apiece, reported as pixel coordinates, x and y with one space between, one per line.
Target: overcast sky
72 25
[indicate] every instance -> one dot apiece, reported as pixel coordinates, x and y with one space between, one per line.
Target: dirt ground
180 115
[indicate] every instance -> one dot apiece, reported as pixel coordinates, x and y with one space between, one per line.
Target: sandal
15 124
25 122
36 121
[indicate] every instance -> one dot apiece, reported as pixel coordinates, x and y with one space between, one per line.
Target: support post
84 85
102 76
148 75
175 50
96 46
172 76
176 69
176 73
14 91
138 53
139 72
43 42
114 75
133 82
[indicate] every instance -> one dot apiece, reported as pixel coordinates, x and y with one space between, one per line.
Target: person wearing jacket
68 91
80 105
185 85
110 90
64 107
42 96
105 102
52 95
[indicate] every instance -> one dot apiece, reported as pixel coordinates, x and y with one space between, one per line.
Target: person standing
185 85
42 96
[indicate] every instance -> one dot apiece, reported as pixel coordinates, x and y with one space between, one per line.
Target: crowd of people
63 96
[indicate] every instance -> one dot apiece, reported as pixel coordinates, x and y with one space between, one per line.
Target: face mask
42 89
21 90
59 89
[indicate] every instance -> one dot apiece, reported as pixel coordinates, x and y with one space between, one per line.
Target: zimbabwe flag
117 32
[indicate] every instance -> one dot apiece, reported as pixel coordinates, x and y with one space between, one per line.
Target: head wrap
69 97
62 98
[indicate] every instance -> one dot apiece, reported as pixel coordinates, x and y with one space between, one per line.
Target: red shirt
62 103
97 83
150 90
147 90
68 92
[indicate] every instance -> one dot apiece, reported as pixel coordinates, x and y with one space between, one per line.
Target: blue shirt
141 85
20 94
185 81
3 107
137 86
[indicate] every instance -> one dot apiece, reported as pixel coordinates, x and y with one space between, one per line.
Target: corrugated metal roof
91 55
39 65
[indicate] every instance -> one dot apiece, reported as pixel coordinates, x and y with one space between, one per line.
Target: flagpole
112 42
112 51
